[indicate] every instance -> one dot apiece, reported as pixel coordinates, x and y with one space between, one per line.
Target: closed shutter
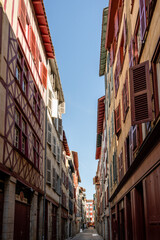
44 75
58 154
126 154
32 42
22 14
141 106
114 167
49 135
142 13
60 126
48 171
37 56
53 178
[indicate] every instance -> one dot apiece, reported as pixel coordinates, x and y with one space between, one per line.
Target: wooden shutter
32 42
126 154
141 106
118 119
125 33
123 102
116 25
22 14
48 171
54 145
142 13
119 62
60 126
44 75
111 55
53 178
37 56
121 170
130 145
49 133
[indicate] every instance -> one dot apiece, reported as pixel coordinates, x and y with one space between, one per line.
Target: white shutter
49 134
48 171
54 107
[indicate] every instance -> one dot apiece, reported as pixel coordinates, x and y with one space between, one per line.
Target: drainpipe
45 159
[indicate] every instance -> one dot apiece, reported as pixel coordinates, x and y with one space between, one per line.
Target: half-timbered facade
25 46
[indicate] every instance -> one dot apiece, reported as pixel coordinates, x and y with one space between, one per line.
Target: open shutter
48 171
54 146
49 133
44 75
130 145
22 14
32 42
53 178
131 53
141 106
60 126
142 13
116 25
125 33
126 154
118 119
111 55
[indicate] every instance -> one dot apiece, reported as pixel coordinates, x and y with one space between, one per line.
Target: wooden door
151 188
128 217
21 221
1 213
121 225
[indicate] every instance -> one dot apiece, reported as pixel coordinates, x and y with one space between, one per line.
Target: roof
103 51
43 26
110 23
65 144
100 118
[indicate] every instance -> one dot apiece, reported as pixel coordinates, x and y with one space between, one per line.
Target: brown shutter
44 75
111 55
126 154
131 53
130 145
125 33
119 62
140 92
142 13
123 102
118 119
116 25
22 14
32 42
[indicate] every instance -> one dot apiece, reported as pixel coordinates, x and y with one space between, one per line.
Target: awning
43 26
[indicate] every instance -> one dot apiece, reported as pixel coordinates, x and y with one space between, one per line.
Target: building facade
132 56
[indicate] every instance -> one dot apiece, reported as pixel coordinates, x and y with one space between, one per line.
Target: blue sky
75 27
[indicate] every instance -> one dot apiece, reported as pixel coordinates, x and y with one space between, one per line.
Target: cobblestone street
88 234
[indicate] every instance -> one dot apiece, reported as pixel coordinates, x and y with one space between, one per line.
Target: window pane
17 117
23 145
23 126
16 139
18 73
24 85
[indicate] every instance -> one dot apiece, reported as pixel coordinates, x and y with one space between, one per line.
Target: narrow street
88 234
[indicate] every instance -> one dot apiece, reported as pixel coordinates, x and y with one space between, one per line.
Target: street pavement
88 234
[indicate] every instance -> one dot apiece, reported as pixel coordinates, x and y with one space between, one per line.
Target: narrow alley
88 234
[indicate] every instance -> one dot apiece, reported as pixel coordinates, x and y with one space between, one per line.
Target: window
156 78
125 98
49 171
141 106
54 146
114 167
58 154
121 170
36 151
137 40
118 120
36 103
53 178
22 14
116 81
20 138
22 72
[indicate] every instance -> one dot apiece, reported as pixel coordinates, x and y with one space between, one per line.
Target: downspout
45 159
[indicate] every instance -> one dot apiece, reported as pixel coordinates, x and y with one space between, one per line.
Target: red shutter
116 25
111 55
32 42
142 13
141 106
37 56
44 75
22 14
118 119
125 33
